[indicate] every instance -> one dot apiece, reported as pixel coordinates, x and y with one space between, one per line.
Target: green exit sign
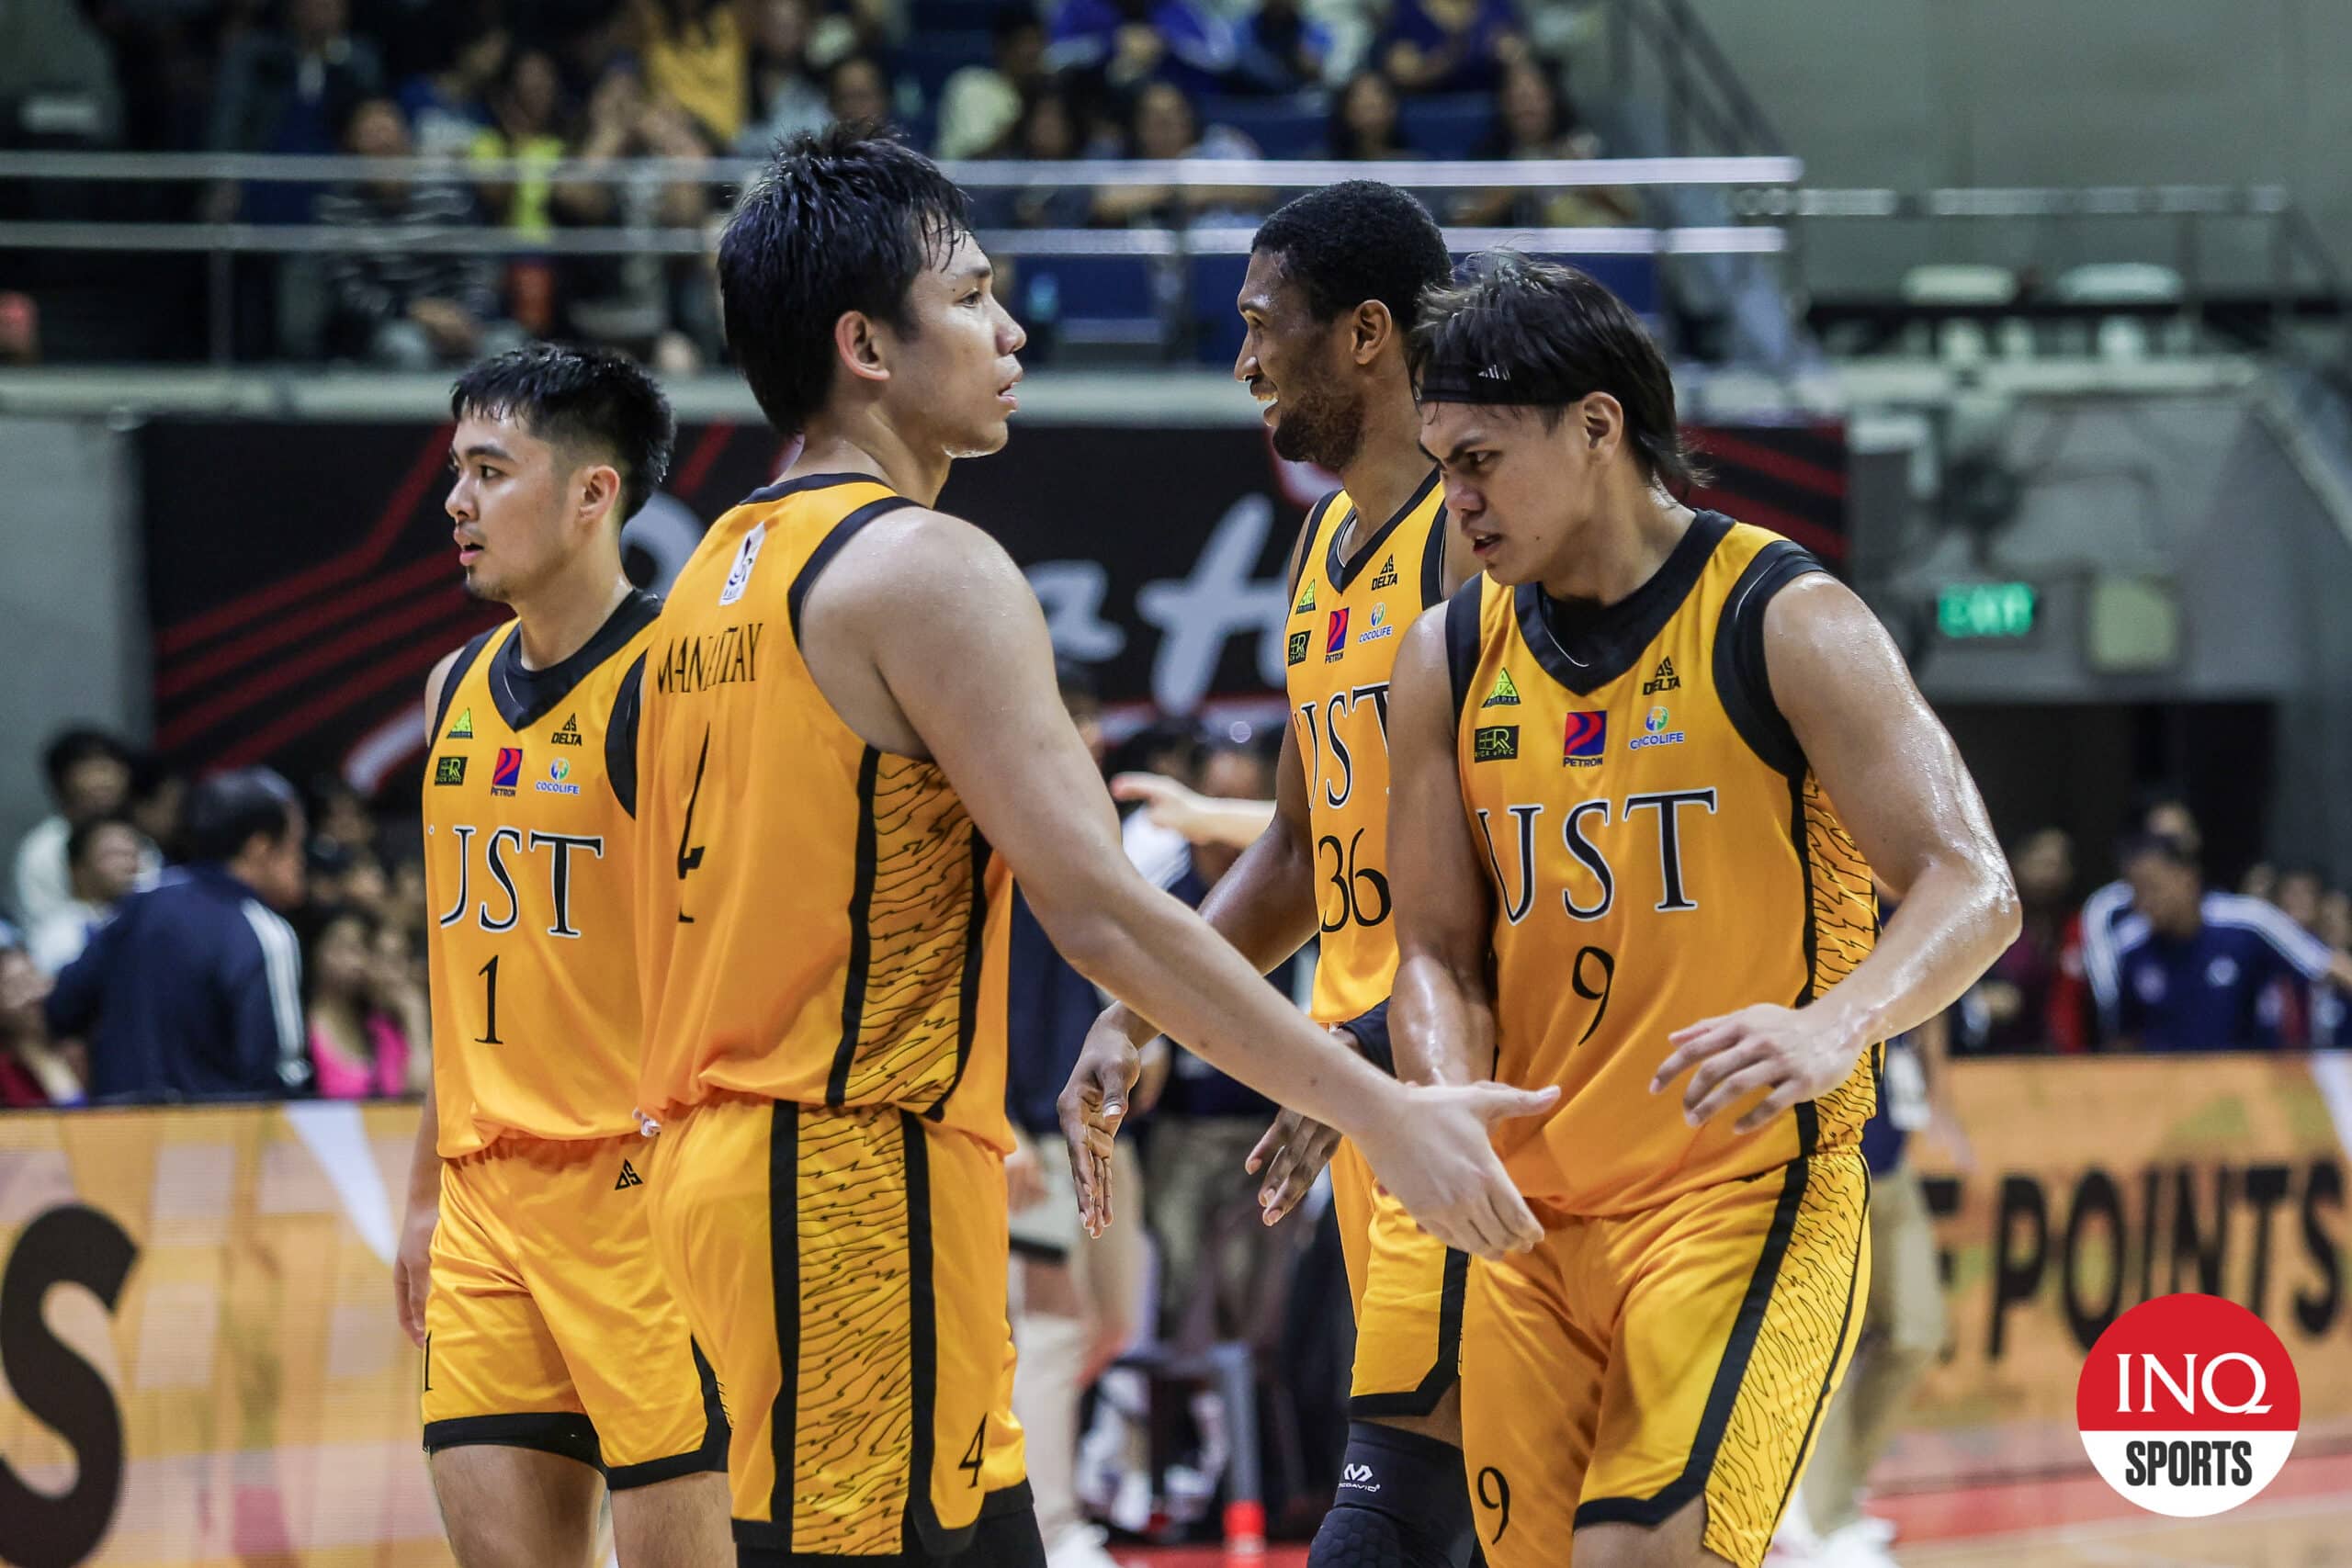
1978 610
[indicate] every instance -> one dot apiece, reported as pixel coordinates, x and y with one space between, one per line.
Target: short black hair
842 219
79 837
1356 240
2156 846
1011 21
226 811
1561 335
578 397
69 749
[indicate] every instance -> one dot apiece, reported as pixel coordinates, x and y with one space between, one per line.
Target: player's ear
600 487
1374 329
1601 419
855 341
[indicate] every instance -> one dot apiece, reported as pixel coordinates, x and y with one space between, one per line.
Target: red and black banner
294 621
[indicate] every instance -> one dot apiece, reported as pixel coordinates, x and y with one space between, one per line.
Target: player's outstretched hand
1292 1155
1430 1148
1792 1053
412 1269
1093 1106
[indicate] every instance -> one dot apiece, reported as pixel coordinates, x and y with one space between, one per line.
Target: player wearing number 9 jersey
555 1351
1643 771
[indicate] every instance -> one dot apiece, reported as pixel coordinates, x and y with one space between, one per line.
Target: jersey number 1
489 1036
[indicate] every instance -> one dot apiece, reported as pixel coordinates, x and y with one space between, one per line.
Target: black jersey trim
923 1350
1585 647
1730 1372
710 1455
559 1432
1446 1370
1845 1328
861 934
620 736
523 697
975 960
1742 682
1343 572
1462 616
784 1290
840 534
782 488
457 668
1305 551
1433 560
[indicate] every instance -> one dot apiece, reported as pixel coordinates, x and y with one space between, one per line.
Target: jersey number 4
690 859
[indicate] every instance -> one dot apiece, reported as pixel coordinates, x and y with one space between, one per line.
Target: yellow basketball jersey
1346 618
818 921
1660 853
528 846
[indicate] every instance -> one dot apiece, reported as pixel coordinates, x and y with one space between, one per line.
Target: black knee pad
1402 1503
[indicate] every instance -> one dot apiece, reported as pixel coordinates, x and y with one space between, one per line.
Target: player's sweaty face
1514 489
1293 366
957 371
505 507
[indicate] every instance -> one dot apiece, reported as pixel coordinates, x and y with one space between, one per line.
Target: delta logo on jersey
1586 740
1335 637
2188 1405
508 771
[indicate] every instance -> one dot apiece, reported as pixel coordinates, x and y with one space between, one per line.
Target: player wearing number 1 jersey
1643 769
1333 286
555 1353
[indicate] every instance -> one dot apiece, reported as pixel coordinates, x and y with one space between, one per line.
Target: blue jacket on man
193 992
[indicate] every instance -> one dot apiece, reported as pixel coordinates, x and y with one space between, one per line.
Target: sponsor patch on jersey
1298 641
1505 694
1586 740
1306 601
1662 679
1380 626
739 576
1335 637
570 734
1495 743
464 728
449 770
507 773
558 771
1387 575
1655 731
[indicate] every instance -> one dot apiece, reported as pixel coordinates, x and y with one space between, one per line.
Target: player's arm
1441 1018
1907 796
940 615
412 1266
1201 818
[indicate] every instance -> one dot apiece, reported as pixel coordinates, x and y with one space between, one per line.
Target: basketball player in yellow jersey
851 735
1643 771
1333 286
557 1361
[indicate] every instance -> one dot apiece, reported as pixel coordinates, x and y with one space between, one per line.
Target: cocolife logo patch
2188 1405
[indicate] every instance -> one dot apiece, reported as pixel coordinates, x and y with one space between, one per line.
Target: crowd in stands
535 82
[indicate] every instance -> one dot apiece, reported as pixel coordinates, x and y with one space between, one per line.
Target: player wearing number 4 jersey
1643 770
851 735
1333 286
554 1352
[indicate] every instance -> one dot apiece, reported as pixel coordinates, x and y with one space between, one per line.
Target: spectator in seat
339 814
1047 133
2299 890
2197 969
102 856
407 310
89 776
1123 43
360 1047
1534 120
1163 125
449 109
525 114
1365 124
857 92
693 54
980 107
2018 998
158 794
194 990
787 98
2162 812
289 91
33 1072
1283 49
1450 46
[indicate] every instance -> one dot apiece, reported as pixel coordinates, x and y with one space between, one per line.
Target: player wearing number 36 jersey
555 1351
1643 771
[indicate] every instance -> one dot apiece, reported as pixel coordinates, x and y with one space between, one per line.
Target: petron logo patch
1305 600
1505 694
464 728
1655 731
557 771
1380 626
507 773
2188 1405
570 734
1585 740
1495 743
449 770
1662 679
1335 638
1387 575
1298 641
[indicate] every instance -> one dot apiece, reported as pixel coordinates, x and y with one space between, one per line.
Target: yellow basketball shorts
1626 1365
844 1269
1407 1288
550 1324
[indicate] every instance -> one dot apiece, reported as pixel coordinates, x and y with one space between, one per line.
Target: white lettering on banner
1199 613
1070 591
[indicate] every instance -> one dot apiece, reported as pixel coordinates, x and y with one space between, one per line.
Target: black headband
1489 384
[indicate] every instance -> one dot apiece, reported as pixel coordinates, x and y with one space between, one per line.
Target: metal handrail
2016 201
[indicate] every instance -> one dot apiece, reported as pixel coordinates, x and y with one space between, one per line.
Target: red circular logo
2188 1404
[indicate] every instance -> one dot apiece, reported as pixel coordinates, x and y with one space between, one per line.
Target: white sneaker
1882 1531
1794 1541
1857 1545
1081 1546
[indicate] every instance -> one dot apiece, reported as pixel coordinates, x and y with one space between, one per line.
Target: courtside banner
2100 1183
196 1327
